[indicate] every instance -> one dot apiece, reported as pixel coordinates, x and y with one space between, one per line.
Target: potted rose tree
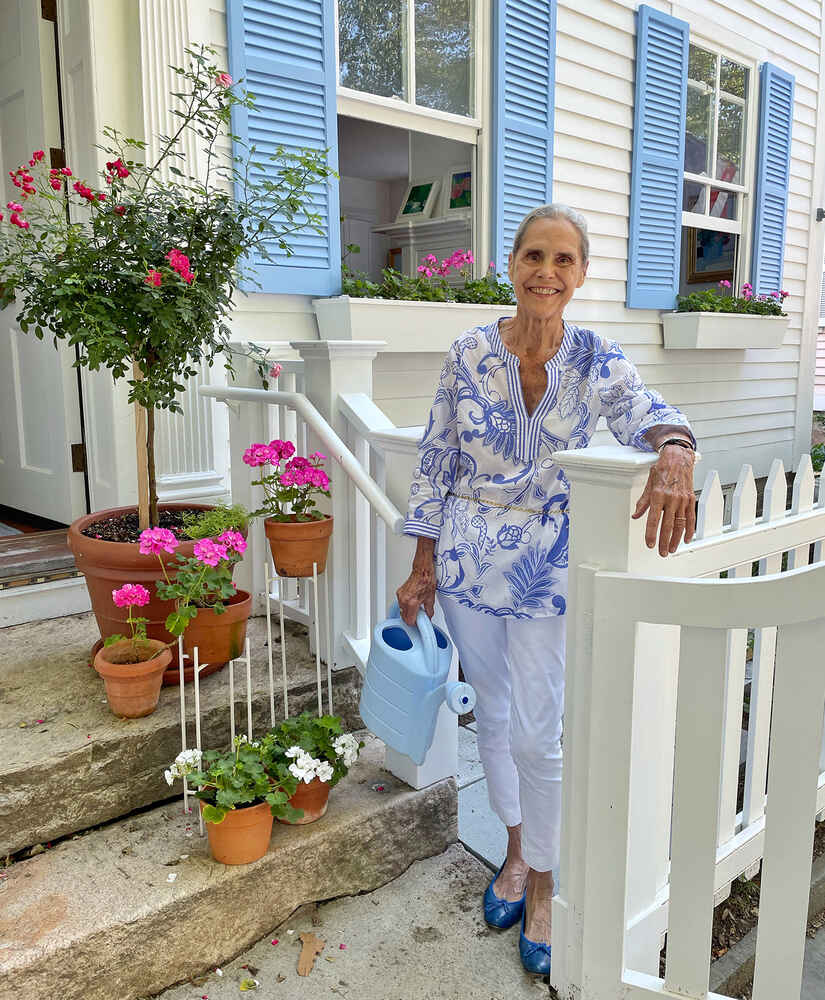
140 282
298 534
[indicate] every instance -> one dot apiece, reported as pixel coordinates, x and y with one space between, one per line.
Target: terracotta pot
295 545
133 689
108 565
313 798
219 638
242 837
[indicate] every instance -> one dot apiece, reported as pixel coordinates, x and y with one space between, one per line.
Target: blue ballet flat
535 957
501 912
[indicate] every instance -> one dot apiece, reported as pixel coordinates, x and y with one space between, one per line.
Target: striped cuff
421 529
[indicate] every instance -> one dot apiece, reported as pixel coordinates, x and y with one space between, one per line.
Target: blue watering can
406 681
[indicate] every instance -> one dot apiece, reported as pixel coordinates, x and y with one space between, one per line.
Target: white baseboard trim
39 601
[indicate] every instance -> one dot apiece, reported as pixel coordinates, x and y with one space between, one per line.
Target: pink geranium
209 552
156 540
289 490
131 594
258 454
233 540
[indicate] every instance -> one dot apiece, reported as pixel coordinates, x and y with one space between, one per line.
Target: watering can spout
406 683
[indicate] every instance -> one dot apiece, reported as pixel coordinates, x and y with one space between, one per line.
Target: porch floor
35 557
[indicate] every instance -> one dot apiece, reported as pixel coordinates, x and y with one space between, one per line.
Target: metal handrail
376 498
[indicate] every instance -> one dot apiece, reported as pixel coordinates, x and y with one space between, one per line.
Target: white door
39 396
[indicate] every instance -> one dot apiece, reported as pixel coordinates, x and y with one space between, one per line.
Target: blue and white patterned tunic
486 486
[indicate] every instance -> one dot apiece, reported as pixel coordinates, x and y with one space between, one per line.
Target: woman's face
547 269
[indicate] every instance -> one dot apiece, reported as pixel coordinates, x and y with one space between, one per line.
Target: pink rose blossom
275 370
209 552
131 594
155 540
224 80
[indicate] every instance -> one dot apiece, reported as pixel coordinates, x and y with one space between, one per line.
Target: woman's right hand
418 590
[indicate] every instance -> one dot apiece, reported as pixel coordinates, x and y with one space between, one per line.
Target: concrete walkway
420 937
813 971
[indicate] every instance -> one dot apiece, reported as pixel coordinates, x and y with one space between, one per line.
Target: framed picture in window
711 256
459 183
418 199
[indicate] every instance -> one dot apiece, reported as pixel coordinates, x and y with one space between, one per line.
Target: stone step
98 918
68 764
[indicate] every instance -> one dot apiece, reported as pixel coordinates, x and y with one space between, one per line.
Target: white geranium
185 763
346 747
293 752
324 771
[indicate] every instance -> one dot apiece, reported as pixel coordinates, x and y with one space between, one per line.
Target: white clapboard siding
594 125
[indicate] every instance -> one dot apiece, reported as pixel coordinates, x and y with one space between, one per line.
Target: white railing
605 483
707 612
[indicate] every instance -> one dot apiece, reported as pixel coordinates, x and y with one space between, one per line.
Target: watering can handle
425 630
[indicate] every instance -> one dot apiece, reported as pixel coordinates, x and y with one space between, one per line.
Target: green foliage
711 300
316 736
211 523
237 777
395 285
818 458
93 281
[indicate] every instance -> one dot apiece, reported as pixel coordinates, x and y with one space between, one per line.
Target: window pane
443 55
724 204
694 198
733 78
730 147
371 46
701 103
698 130
702 66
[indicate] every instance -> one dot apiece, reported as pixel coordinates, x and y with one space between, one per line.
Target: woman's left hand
668 498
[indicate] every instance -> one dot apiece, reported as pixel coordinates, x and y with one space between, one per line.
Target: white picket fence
661 889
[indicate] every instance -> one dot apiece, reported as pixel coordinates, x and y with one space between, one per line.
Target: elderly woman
489 507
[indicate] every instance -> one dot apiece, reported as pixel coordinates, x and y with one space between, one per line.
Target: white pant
517 669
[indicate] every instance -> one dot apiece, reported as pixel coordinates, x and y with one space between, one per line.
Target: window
717 167
417 51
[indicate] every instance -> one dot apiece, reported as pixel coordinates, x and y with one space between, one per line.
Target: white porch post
248 423
333 367
605 484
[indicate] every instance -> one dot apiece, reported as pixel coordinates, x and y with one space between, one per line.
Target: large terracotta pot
132 689
242 837
296 545
219 638
313 798
108 565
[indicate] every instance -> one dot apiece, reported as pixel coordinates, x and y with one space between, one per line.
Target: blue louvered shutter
524 81
654 248
285 52
773 167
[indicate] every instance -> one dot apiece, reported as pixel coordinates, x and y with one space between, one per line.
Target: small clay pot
219 638
243 836
313 798
296 545
132 689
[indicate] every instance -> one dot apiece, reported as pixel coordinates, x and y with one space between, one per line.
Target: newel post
333 367
605 483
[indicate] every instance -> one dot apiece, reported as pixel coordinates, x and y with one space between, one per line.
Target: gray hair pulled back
555 211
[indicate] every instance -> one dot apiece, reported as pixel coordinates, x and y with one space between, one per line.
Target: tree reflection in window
443 55
371 46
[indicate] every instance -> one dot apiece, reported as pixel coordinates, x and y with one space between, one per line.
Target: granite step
134 907
67 764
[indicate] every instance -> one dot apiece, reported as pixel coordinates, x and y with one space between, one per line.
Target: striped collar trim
507 356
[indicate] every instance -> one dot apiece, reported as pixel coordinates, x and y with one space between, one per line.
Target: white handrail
377 499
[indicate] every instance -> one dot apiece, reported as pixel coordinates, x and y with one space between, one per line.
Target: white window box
722 331
405 326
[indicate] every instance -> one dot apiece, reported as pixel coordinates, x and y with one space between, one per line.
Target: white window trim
392 111
746 56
